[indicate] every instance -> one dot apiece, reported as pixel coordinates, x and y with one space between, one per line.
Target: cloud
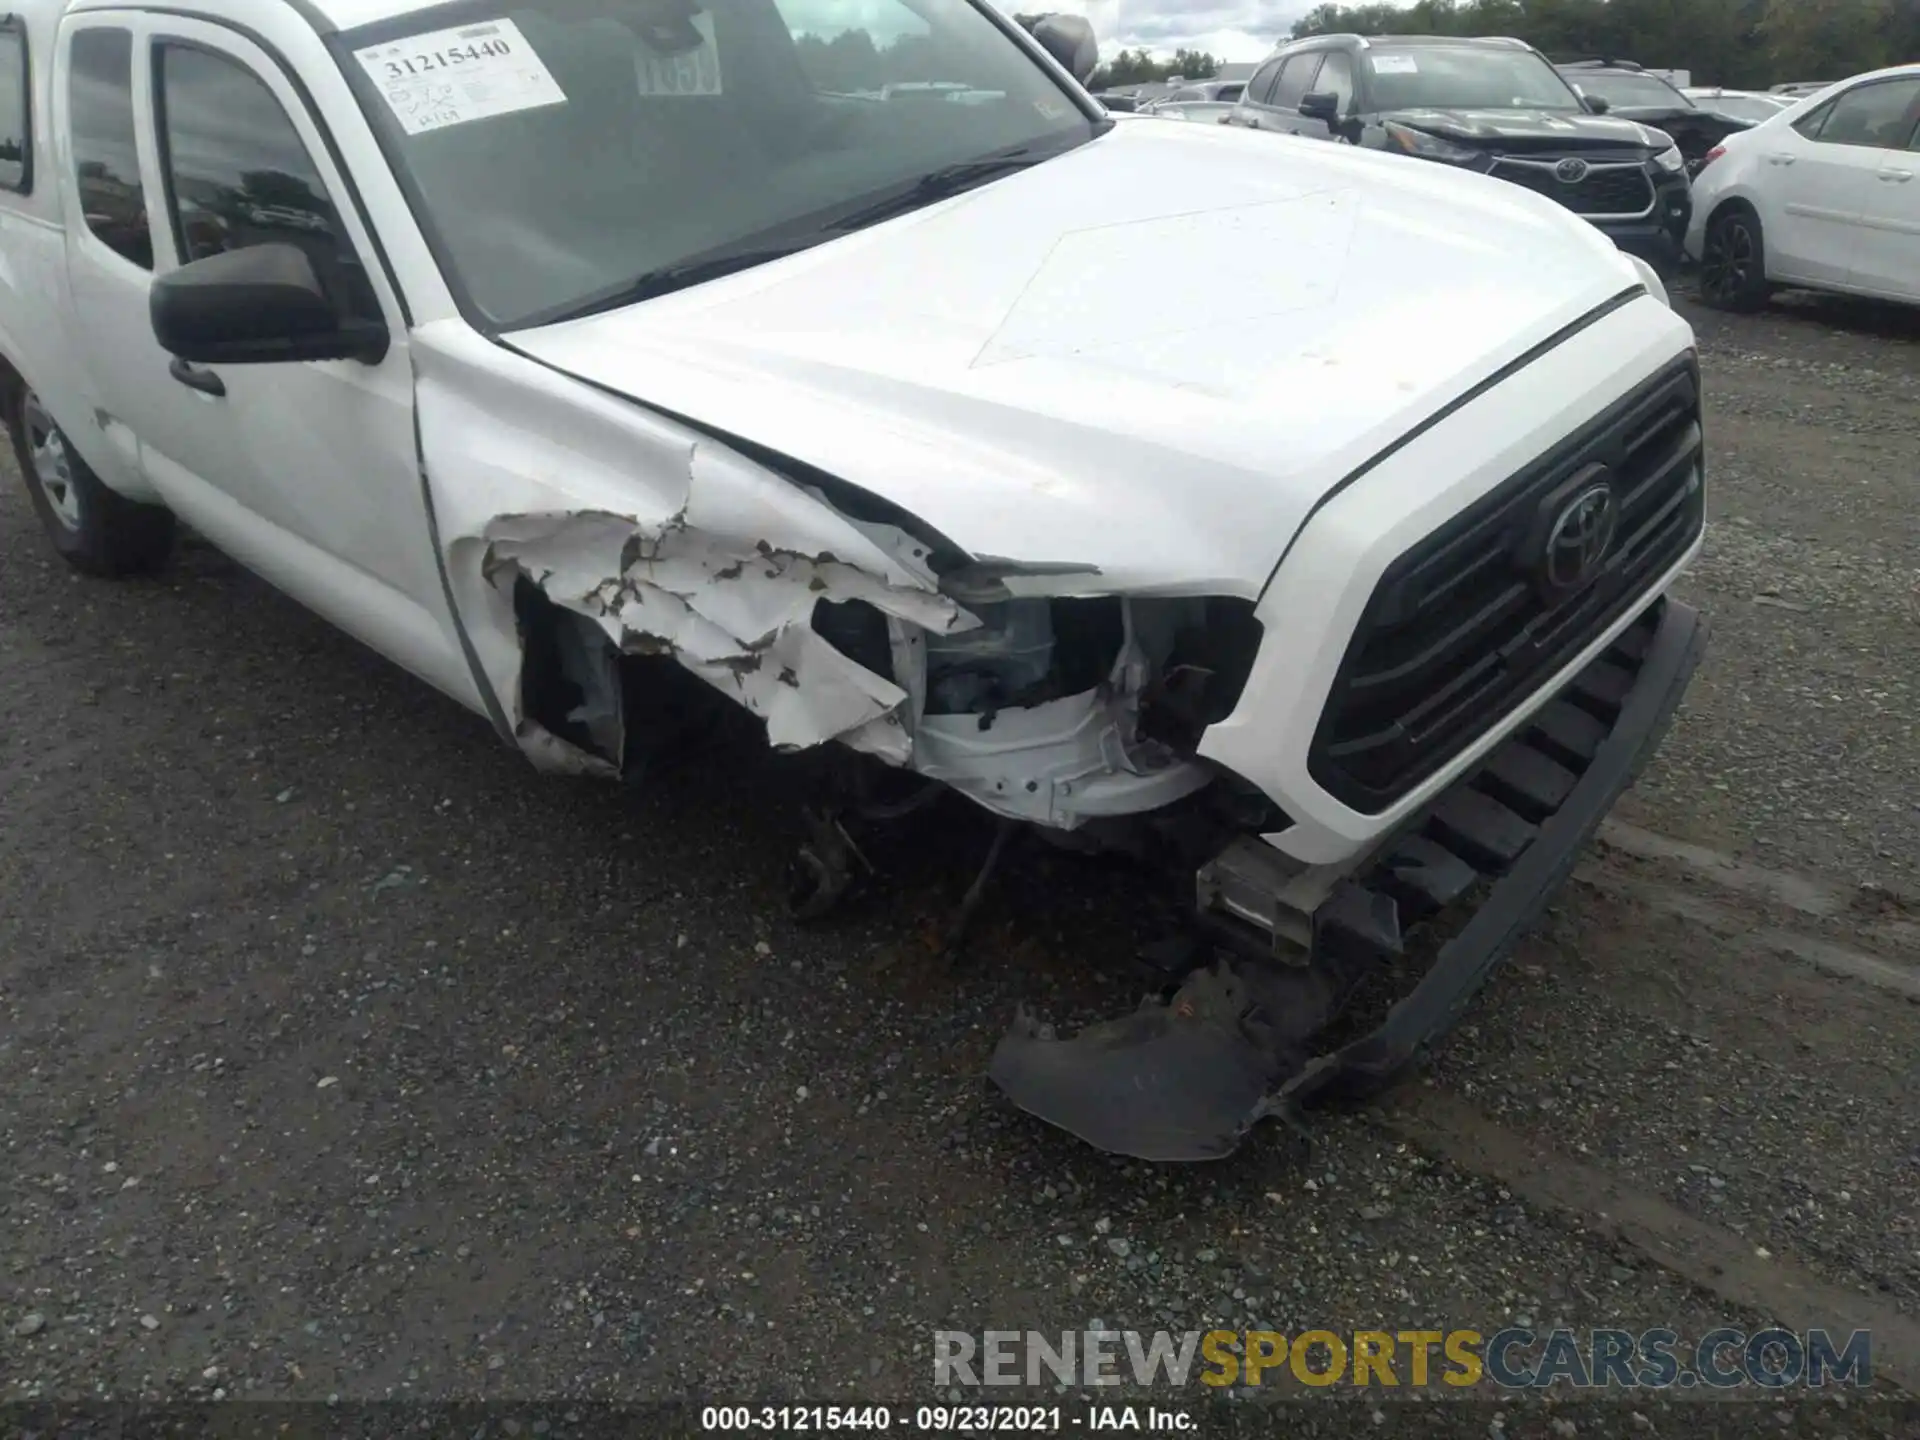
1242 30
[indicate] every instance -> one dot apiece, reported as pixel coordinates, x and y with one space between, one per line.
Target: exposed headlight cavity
1194 654
1671 160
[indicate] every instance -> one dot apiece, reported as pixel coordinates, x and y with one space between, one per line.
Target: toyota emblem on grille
1571 171
1581 535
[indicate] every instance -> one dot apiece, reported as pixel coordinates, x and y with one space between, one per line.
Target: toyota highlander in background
1495 106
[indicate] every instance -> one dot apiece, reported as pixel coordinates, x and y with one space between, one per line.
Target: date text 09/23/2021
948 1419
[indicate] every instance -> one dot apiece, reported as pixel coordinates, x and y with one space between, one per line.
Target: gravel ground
342 1056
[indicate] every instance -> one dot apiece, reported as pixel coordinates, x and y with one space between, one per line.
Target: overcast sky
1230 29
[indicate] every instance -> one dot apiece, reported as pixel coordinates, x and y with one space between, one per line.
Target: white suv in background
1824 195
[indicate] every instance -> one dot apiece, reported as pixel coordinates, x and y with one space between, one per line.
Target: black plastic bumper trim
1516 900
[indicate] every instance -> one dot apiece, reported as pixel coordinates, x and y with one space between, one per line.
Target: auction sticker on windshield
450 77
1394 65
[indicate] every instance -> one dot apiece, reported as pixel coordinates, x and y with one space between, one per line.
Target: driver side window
858 47
106 159
237 173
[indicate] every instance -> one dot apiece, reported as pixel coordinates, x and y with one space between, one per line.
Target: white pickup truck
1295 514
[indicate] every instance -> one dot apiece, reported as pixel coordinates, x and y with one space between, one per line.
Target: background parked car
1750 105
1493 105
1201 92
1825 195
1212 112
1635 94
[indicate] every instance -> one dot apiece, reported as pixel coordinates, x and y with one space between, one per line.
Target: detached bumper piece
1186 1079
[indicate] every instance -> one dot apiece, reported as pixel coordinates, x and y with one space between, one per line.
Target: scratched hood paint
1153 354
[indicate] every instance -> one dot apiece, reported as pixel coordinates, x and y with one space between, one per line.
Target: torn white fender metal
666 543
731 604
670 544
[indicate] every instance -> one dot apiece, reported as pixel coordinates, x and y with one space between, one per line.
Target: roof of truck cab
351 14
324 15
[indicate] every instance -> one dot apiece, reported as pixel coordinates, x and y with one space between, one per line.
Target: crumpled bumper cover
1185 1080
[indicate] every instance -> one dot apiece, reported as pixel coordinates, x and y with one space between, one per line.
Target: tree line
851 61
1747 44
1137 67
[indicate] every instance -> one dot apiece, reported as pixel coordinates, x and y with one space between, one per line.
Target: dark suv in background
1496 106
1635 94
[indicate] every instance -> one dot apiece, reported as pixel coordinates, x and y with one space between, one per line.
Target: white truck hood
1151 355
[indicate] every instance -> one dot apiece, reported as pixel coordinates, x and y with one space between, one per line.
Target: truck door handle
194 378
1780 159
1899 177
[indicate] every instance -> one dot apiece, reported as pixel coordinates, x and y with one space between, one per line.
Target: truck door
188 139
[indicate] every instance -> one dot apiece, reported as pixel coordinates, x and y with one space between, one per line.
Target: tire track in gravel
1837 971
1714 1259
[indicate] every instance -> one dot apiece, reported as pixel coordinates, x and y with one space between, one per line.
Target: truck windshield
570 155
1464 77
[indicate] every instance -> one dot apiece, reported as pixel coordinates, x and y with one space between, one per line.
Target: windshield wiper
941 184
669 278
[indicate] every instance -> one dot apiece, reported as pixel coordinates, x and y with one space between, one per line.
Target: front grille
1623 191
1464 626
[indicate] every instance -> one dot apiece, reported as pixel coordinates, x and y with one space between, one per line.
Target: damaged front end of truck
833 617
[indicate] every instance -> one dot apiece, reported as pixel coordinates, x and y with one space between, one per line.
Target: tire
1733 263
95 529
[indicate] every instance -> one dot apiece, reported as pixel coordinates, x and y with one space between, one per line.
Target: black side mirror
256 306
1068 39
1596 104
1320 106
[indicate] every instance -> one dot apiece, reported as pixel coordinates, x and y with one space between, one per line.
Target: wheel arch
12 382
1727 204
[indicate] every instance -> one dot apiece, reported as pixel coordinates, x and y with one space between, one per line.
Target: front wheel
94 528
1733 263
